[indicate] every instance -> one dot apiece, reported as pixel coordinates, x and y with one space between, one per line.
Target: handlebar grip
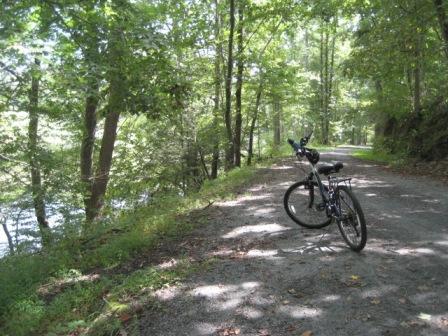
294 145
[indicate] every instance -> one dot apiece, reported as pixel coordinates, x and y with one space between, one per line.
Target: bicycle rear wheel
352 223
303 204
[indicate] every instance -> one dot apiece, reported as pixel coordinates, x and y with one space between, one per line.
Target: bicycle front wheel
351 222
303 204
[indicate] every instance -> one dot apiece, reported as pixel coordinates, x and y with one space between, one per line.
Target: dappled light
287 279
223 168
259 228
415 251
166 294
299 312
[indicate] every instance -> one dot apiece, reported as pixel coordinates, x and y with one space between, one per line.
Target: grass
378 156
78 286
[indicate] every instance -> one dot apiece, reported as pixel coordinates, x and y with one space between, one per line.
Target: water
23 227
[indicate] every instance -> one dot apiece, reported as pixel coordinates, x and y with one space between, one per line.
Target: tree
239 85
33 152
217 93
229 75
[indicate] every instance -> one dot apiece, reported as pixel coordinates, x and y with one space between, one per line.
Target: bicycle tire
306 209
349 230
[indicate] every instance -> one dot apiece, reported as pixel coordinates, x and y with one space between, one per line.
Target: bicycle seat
328 168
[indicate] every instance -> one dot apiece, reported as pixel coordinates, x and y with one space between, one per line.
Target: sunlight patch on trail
166 294
261 210
416 251
250 313
240 201
261 228
331 298
261 253
226 297
299 312
315 247
213 291
282 167
442 242
204 328
378 292
366 182
266 254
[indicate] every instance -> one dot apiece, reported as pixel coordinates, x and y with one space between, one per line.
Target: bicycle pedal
320 207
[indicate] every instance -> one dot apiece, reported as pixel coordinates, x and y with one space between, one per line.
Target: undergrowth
76 287
379 156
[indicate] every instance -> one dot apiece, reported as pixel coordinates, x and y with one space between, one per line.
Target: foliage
26 308
113 116
378 156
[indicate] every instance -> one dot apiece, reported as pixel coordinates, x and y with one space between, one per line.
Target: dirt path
272 277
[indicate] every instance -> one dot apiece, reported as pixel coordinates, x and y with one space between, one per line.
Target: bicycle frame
337 200
327 196
315 174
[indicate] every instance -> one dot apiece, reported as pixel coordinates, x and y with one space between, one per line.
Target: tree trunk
443 22
326 86
101 180
379 116
239 88
36 179
252 125
116 103
89 126
228 117
259 135
330 80
8 236
417 74
216 108
321 84
204 165
277 122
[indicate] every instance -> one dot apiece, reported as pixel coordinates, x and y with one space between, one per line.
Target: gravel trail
271 277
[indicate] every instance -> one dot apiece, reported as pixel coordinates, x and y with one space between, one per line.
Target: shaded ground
272 277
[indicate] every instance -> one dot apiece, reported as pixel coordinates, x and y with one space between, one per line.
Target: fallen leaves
125 317
444 321
375 301
238 255
366 318
229 331
413 324
354 281
294 293
291 328
423 288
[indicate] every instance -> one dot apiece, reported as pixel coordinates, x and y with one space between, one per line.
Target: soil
270 276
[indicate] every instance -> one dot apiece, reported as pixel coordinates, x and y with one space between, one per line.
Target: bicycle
336 202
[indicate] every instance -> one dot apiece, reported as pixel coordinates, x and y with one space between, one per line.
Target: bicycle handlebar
300 149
